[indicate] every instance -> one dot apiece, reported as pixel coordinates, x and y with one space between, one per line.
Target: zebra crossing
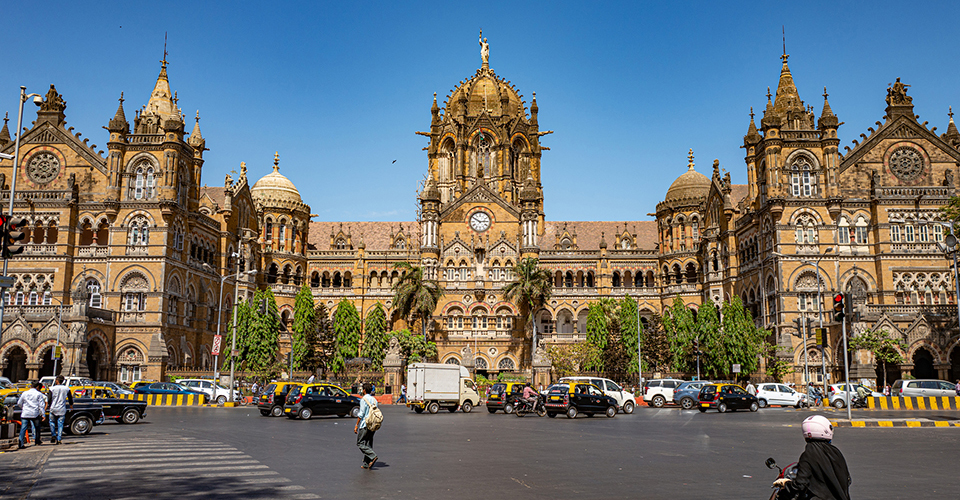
159 467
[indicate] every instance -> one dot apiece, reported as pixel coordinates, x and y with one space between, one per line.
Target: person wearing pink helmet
822 471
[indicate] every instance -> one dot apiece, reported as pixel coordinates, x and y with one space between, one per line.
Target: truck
431 386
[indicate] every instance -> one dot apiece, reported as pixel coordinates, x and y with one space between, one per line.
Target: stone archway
96 356
46 363
15 364
923 364
955 363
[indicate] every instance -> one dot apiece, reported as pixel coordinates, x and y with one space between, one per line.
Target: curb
896 423
914 403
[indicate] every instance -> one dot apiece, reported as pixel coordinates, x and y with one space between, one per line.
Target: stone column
393 376
943 370
905 370
33 371
542 366
469 359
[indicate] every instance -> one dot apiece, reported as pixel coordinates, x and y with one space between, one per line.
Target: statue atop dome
484 51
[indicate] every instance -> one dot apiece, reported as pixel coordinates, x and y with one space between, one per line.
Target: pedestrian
751 389
255 388
59 395
403 395
32 404
365 435
957 387
886 389
311 379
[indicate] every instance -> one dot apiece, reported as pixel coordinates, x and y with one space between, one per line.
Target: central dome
689 186
275 186
485 90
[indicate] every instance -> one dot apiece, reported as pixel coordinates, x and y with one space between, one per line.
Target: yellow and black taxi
723 397
125 411
273 397
308 400
502 396
574 398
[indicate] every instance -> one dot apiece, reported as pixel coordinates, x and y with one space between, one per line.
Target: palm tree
415 296
530 289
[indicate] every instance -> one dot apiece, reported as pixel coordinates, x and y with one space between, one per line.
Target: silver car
929 388
838 394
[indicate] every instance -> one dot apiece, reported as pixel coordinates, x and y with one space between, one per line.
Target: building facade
144 257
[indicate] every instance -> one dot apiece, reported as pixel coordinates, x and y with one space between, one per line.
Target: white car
215 392
49 380
838 394
779 395
660 391
625 399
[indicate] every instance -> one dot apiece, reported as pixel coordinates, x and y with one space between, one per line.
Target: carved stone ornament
540 356
393 349
906 163
43 167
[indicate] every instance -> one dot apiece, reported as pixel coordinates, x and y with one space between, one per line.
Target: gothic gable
47 133
480 193
901 127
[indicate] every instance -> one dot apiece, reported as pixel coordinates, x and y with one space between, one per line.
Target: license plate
286 410
494 397
554 398
705 405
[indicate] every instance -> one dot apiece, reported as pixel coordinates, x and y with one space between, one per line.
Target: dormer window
341 244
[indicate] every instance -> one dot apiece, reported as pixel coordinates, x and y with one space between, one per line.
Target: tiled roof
738 192
215 194
589 233
376 235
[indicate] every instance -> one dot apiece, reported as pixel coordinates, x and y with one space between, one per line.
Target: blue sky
339 88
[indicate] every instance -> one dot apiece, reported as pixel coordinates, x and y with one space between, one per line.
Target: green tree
263 346
529 290
598 335
244 315
415 296
707 333
885 350
569 359
319 340
375 337
628 315
656 345
680 327
742 342
777 365
346 330
414 348
304 320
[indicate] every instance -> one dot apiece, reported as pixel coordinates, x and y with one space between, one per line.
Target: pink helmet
817 427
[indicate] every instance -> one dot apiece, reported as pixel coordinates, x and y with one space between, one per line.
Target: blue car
168 388
687 394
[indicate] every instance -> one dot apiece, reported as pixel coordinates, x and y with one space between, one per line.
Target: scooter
790 472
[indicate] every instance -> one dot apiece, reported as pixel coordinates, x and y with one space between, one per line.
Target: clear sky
339 88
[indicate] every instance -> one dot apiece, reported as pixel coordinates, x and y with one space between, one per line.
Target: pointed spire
430 191
119 122
690 163
161 101
603 241
752 128
788 99
196 138
827 118
5 132
826 105
276 163
769 102
952 136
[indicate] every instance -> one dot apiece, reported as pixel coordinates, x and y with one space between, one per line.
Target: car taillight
566 399
299 397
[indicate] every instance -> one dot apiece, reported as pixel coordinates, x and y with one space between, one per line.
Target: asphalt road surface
667 453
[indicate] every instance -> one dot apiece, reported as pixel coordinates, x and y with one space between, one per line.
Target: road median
901 422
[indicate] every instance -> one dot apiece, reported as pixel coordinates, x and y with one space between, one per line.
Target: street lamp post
59 328
16 159
236 303
216 357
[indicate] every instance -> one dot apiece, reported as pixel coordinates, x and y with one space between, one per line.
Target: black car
125 411
504 396
78 421
723 397
579 397
320 399
273 397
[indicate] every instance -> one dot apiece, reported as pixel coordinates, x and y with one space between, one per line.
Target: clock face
480 221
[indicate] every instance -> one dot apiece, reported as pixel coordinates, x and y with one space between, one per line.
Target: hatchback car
659 392
625 400
273 398
771 394
213 390
837 394
923 388
306 401
723 397
579 397
687 394
169 388
503 396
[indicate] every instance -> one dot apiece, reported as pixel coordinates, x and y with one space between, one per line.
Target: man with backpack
367 424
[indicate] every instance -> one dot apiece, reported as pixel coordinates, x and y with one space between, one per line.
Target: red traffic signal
12 235
838 307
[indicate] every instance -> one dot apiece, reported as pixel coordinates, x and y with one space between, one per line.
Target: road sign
217 340
736 368
7 281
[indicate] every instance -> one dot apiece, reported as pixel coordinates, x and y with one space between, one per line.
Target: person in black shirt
822 472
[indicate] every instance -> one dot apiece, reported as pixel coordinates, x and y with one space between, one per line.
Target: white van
625 399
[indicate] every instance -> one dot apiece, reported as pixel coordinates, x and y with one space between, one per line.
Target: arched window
272 273
691 273
268 230
287 272
283 235
337 279
506 364
315 279
93 288
341 244
480 363
138 185
802 180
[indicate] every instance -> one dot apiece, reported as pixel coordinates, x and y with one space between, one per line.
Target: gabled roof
900 127
480 193
47 133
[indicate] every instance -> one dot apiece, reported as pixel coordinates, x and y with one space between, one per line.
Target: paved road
666 453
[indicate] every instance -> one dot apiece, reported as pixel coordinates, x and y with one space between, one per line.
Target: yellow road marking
885 423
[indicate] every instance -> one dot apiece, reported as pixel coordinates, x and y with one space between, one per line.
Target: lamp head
37 99
950 240
828 250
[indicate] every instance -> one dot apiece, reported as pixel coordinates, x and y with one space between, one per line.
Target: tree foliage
258 335
414 348
375 337
598 335
656 345
680 327
304 320
244 319
415 296
319 341
628 314
742 341
569 359
885 350
346 330
530 289
777 365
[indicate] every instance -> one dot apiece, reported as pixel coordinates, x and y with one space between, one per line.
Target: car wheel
355 411
552 414
276 411
417 409
466 407
763 403
754 406
265 413
838 403
305 413
508 408
492 410
722 407
130 416
798 405
702 409
658 401
628 407
611 411
81 425
221 400
572 412
433 407
686 403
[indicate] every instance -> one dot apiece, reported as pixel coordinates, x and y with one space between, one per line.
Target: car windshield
294 391
270 388
559 388
5 385
497 388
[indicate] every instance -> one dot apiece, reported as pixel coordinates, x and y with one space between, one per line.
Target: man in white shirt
364 435
32 404
311 379
60 395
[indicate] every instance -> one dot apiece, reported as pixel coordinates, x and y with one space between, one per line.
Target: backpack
374 418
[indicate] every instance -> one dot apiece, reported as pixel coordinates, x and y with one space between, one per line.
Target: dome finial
484 51
690 157
276 161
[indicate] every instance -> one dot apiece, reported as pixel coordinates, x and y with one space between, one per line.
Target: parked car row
303 401
92 405
923 388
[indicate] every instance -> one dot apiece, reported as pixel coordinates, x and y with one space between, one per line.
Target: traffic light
12 235
821 338
839 308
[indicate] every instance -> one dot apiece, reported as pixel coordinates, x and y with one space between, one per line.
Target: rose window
906 164
43 168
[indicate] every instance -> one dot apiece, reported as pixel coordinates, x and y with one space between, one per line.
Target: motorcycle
790 472
523 407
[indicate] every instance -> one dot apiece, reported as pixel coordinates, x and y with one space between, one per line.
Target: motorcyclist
822 471
529 396
862 393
